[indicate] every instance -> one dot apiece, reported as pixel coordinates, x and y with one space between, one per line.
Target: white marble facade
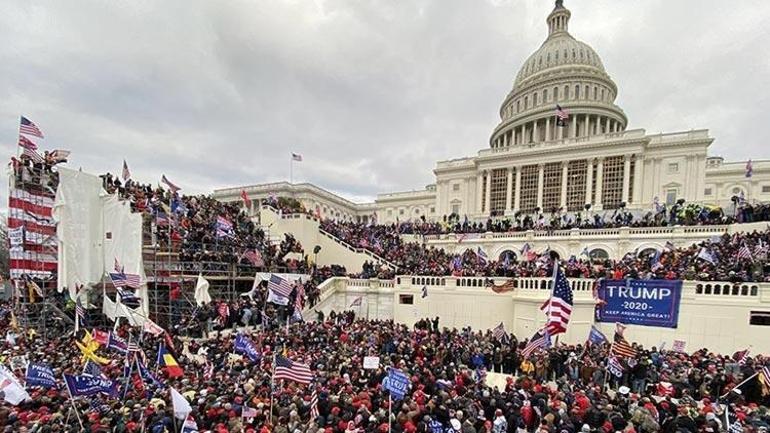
535 162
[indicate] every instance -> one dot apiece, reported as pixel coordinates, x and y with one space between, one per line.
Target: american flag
764 377
620 346
59 155
761 250
224 227
500 334
540 340
28 127
296 157
507 286
248 412
558 308
27 143
299 298
80 311
255 257
562 116
285 368
357 302
279 286
34 156
168 183
314 413
121 279
126 172
743 253
126 296
742 356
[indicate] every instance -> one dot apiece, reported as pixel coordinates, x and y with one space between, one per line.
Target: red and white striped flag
31 214
27 143
285 368
34 156
744 252
168 183
314 413
26 126
559 307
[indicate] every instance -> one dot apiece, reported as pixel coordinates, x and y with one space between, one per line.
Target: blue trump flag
147 375
397 383
596 336
89 385
243 344
116 343
640 302
39 374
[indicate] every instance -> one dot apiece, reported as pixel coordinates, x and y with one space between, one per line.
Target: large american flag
279 286
558 308
620 346
28 127
255 257
120 279
285 368
540 340
742 356
30 214
168 183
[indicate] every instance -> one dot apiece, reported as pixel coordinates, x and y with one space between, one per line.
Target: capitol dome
563 73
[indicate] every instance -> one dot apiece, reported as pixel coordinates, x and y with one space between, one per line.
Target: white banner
371 362
16 236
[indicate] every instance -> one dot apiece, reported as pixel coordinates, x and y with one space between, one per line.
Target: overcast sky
371 92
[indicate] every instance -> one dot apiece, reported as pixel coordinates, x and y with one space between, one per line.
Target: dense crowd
204 229
737 257
560 389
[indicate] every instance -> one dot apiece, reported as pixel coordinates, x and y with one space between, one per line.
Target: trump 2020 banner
640 302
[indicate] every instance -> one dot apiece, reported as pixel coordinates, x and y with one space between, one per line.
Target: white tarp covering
265 276
123 241
78 212
94 229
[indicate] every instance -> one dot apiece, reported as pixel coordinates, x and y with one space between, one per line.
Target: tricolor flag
26 126
562 116
126 172
167 362
296 157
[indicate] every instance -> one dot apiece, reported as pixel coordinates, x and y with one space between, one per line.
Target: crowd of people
203 229
738 257
563 388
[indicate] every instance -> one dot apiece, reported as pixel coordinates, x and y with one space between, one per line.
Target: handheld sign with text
397 383
640 302
371 362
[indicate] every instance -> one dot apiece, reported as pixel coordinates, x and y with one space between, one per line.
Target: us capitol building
536 163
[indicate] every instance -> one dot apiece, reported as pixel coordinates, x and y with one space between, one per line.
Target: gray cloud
372 93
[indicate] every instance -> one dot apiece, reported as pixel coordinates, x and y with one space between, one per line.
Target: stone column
517 194
589 179
540 176
586 131
488 208
637 188
573 126
508 186
535 132
607 125
626 176
479 189
563 202
547 129
599 179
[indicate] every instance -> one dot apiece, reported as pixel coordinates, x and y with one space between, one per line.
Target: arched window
596 93
587 94
577 91
518 106
534 99
548 59
565 95
598 254
603 95
555 93
526 102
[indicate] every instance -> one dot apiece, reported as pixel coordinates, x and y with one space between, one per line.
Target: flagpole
72 401
291 170
390 404
272 388
738 385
